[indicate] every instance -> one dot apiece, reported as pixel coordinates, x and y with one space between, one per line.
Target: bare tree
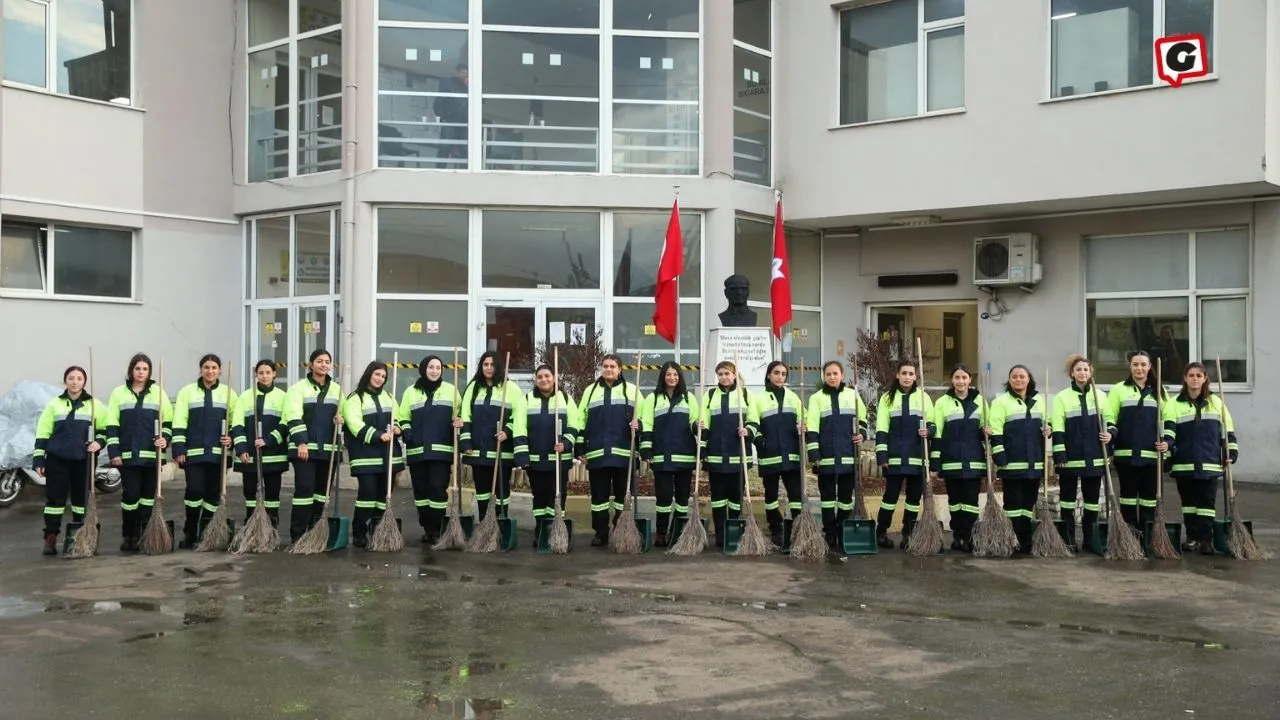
580 359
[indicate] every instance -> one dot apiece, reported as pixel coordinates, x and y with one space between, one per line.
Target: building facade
430 176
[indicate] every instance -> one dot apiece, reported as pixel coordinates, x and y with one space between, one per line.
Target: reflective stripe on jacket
63 428
541 412
309 410
778 435
958 451
1017 436
365 416
426 422
1194 430
898 422
482 407
604 419
1076 422
669 431
265 408
831 422
131 423
200 416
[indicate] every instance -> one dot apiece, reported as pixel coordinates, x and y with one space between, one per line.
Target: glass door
313 331
511 327
271 342
569 323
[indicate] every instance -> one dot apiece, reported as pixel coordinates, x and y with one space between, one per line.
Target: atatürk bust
737 288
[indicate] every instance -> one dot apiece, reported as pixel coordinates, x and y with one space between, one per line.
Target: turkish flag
780 277
670 267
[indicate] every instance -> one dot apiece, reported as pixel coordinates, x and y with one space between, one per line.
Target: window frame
1192 294
773 101
50 86
923 30
1158 23
49 292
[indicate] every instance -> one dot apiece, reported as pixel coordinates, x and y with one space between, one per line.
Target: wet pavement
514 635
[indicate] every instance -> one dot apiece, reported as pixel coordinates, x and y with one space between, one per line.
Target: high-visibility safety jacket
1017 435
1194 430
541 412
958 451
365 416
265 407
898 422
835 415
309 410
1134 422
604 423
669 431
65 428
1076 422
426 422
778 443
721 410
132 419
482 408
200 416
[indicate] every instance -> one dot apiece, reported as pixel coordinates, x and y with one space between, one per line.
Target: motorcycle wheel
107 481
10 487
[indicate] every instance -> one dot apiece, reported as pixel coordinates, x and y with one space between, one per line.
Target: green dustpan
507 538
339 532
858 537
1221 529
733 529
544 536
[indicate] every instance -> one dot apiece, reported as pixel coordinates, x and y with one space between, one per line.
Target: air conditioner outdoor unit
1012 259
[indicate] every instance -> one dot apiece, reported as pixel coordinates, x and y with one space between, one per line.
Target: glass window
268 114
422 250
24 255
1100 45
659 134
268 21
752 116
638 239
806 345
1160 326
656 15
1222 259
320 103
655 68
86 262
1224 335
634 332
417 328
541 135
438 11
753 257
1137 263
541 64
312 254
544 13
273 257
752 22
318 14
541 250
91 47
422 97
26 50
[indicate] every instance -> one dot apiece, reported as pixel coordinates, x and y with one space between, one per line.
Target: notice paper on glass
555 333
578 334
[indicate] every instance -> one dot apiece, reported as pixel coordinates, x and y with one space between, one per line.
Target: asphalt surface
418 634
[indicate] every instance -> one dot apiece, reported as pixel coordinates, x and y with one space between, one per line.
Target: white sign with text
750 348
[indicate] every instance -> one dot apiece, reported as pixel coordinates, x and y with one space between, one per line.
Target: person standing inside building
312 412
1137 429
727 419
903 419
836 424
452 111
1018 434
368 415
261 411
428 415
1079 432
138 427
201 434
606 420
669 443
548 408
958 453
1197 422
69 434
485 444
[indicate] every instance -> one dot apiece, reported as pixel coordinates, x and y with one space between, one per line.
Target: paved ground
591 635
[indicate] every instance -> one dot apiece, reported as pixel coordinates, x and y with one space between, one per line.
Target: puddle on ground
12 607
479 708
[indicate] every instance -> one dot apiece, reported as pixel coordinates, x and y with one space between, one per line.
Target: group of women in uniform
496 427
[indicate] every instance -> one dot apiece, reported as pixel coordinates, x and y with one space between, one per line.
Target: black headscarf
428 386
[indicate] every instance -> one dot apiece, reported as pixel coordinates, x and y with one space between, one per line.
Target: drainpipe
346 294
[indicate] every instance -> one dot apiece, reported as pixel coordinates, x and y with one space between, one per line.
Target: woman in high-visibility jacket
1137 429
1079 432
904 417
428 414
835 426
368 415
201 434
260 434
313 414
669 443
1197 423
778 445
138 427
545 406
69 434
606 418
484 444
726 418
1019 430
958 454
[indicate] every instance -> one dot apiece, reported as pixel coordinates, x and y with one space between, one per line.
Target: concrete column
717 89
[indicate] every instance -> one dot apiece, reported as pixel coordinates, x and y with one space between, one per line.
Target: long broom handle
502 419
159 430
226 424
927 489
457 489
1159 427
631 456
391 446
555 408
1046 422
742 440
93 428
1229 487
804 455
697 438
1106 460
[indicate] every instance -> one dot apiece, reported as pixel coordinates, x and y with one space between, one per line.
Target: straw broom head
485 537
1161 546
926 537
807 541
257 535
156 538
625 538
454 538
558 535
1122 542
217 535
316 539
1046 542
85 542
387 536
693 538
993 535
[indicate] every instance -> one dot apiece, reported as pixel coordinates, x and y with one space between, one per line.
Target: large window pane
273 257
417 328
312 261
320 103
542 65
806 346
655 68
936 10
93 262
23 257
544 13
655 139
25 46
752 113
1100 45
541 135
1136 263
634 332
1222 259
93 49
422 250
752 23
658 15
945 78
318 14
440 11
268 21
422 98
753 257
1159 326
1224 333
1183 17
548 250
638 239
878 62
268 114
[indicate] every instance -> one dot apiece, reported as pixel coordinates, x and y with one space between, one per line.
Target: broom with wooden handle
85 542
1161 545
807 542
156 539
1122 542
993 535
1046 542
926 537
753 542
454 538
693 538
316 539
1240 542
859 509
217 534
558 535
387 536
625 539
485 537
257 535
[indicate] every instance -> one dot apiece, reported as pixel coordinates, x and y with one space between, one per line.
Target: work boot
188 542
1069 533
907 527
660 540
775 536
833 542
718 516
50 543
600 540
1089 528
129 544
882 540
1206 548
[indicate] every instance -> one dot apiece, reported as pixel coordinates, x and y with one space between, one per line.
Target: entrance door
894 323
312 323
525 328
287 334
271 342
